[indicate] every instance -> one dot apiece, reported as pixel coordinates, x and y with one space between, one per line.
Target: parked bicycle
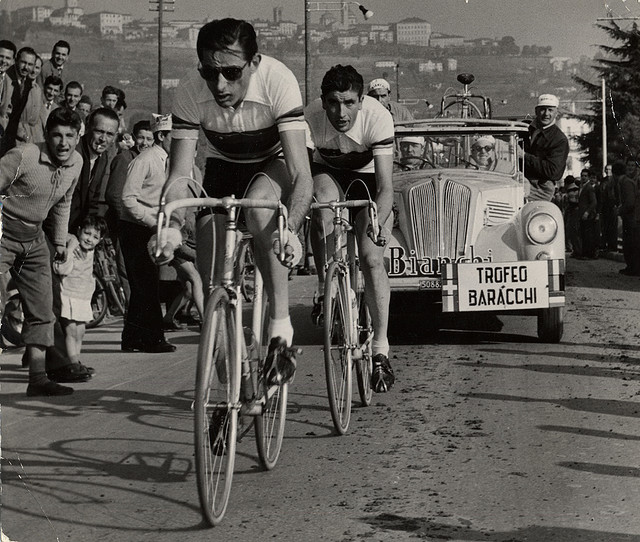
348 333
108 297
231 386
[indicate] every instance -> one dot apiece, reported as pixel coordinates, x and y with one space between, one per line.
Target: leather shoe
160 347
48 389
73 372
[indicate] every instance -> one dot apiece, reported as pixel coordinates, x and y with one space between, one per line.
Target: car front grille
439 213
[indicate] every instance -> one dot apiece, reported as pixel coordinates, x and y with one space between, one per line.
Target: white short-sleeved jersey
371 134
251 132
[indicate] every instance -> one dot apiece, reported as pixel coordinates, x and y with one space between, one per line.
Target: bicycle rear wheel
337 351
364 364
99 304
269 425
216 407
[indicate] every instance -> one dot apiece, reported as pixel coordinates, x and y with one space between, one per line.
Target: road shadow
429 528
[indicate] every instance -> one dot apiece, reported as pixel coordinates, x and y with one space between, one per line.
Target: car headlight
542 228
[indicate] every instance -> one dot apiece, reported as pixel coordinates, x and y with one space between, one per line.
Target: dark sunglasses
230 73
486 148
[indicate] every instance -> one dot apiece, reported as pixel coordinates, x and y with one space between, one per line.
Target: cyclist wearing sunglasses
249 107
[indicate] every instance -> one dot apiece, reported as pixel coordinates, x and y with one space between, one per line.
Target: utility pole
160 6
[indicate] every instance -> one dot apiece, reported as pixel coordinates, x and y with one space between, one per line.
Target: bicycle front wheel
99 304
269 425
337 346
364 364
216 407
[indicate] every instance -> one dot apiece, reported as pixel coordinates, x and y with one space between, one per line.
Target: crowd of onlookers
77 162
599 210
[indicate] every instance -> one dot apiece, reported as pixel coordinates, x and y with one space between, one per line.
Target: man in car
353 139
412 153
545 151
250 109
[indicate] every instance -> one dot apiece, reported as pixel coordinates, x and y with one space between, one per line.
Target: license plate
490 286
430 284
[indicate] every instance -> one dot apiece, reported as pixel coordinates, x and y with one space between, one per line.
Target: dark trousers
30 266
610 230
589 235
627 240
144 317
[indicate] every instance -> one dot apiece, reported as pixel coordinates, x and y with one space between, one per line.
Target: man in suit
102 127
588 213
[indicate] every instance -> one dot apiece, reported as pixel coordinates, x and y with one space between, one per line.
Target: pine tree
620 69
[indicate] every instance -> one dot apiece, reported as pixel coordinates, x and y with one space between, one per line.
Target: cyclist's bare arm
297 160
384 182
181 158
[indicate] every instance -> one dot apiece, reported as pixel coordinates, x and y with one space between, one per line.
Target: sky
567 25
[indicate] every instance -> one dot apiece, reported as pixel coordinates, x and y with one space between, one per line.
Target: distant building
452 64
413 31
69 15
446 40
104 22
33 14
430 66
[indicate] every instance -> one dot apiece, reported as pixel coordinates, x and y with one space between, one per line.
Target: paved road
488 436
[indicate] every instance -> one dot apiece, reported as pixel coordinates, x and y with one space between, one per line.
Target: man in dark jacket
588 213
102 127
546 150
626 175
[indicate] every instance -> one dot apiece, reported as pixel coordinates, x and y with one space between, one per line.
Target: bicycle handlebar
166 210
350 204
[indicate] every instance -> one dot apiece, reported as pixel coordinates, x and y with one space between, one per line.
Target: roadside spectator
48 173
588 212
626 175
85 105
380 89
26 100
52 89
545 151
143 139
109 96
77 283
55 65
609 199
35 71
572 218
102 126
146 175
7 58
72 95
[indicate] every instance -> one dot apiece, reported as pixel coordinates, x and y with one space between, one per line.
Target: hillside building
413 31
105 22
32 14
70 15
446 40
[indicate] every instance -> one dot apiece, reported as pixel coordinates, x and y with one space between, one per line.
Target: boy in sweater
37 181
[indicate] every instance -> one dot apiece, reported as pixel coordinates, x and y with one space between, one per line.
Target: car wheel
551 324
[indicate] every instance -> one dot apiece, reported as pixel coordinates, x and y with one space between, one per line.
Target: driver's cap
548 100
413 139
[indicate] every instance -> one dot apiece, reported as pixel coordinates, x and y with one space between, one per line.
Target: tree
620 68
507 46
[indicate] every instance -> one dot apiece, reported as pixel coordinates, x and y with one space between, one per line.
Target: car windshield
472 150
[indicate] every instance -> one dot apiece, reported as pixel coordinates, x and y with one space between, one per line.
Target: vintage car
463 231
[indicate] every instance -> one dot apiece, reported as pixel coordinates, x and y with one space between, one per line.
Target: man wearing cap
412 153
546 150
146 176
572 217
380 89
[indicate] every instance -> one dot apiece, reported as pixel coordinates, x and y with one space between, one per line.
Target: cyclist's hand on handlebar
292 248
378 239
170 239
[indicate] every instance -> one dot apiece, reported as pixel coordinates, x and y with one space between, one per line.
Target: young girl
77 283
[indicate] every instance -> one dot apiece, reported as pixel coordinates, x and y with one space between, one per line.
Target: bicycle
348 333
231 384
108 297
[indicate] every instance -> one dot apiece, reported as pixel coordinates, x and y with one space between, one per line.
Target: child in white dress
77 283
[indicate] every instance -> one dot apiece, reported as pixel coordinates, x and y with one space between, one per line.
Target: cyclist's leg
274 184
325 188
377 294
209 235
